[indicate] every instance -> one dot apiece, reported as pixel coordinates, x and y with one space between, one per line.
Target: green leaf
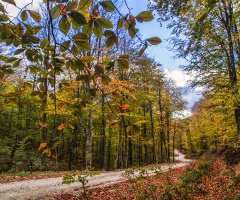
111 40
99 70
83 45
7 71
64 25
71 5
105 80
84 4
106 61
123 64
107 5
154 40
78 18
19 29
85 78
44 43
93 92
65 46
132 31
10 1
55 11
142 50
121 22
87 59
108 33
24 15
124 56
105 23
4 18
35 93
81 37
18 51
1 75
95 8
17 63
97 30
79 65
11 60
144 16
87 29
34 15
117 96
3 10
74 50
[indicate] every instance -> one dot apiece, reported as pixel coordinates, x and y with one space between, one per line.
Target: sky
160 53
163 55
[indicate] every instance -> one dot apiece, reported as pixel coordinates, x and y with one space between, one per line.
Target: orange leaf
96 15
48 152
41 146
131 19
62 126
60 104
24 87
26 69
113 124
124 107
116 110
71 126
50 66
62 10
43 125
54 157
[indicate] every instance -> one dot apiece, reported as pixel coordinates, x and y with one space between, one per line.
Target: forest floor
32 189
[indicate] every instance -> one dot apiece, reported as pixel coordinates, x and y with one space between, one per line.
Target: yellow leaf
41 146
128 128
141 122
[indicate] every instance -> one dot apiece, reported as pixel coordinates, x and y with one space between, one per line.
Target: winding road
35 188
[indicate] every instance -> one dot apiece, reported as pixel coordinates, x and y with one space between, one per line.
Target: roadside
35 188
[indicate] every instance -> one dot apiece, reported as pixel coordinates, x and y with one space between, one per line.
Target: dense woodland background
77 90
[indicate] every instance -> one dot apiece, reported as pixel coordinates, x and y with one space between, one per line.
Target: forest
78 91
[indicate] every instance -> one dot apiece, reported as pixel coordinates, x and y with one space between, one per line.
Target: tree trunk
153 135
89 140
119 148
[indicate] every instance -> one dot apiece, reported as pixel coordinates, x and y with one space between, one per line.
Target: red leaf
113 124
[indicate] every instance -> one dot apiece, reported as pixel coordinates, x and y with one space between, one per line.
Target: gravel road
35 188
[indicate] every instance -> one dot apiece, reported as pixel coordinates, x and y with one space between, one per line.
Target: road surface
40 187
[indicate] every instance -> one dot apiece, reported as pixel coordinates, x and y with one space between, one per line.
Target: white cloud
180 77
182 114
13 10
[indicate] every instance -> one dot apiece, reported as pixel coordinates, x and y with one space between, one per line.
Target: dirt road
35 188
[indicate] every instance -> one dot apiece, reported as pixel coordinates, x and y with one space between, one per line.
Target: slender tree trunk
161 124
153 134
103 135
174 134
119 148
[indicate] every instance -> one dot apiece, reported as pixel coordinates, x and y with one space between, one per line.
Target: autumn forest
78 90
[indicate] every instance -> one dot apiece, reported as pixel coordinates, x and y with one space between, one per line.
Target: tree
210 43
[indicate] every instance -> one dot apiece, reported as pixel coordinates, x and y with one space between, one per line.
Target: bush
191 176
205 166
